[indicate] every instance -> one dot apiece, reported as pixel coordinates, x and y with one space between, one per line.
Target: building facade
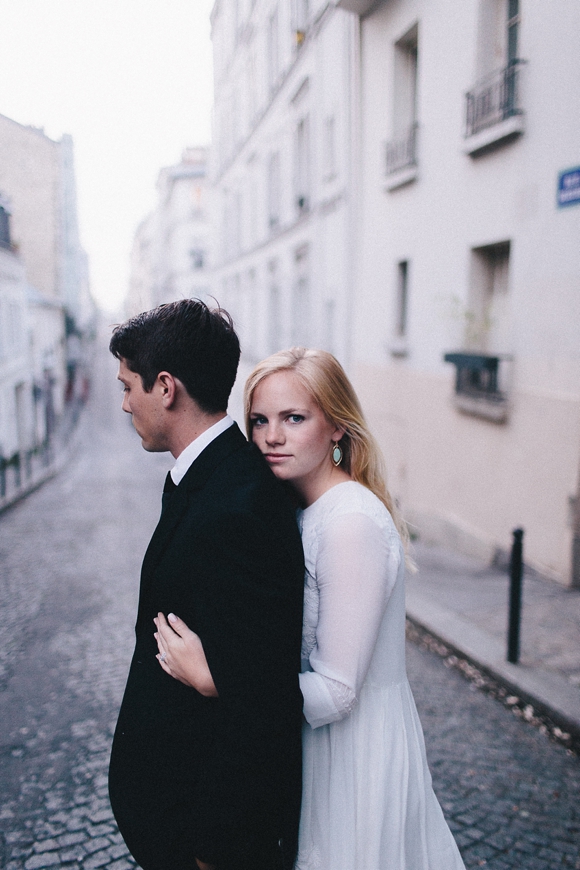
282 171
171 253
17 406
467 317
46 311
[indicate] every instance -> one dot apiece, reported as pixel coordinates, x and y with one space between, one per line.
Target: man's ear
167 385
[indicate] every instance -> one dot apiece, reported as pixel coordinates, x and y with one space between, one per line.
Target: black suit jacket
216 778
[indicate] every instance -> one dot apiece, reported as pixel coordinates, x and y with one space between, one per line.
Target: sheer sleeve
356 569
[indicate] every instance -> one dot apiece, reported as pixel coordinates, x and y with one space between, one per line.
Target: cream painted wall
470 482
462 478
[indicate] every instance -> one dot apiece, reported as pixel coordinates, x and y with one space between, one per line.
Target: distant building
37 177
17 399
282 171
467 316
46 311
171 254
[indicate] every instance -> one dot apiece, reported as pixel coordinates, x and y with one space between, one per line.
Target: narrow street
69 566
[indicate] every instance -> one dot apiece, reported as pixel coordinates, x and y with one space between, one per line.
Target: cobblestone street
69 565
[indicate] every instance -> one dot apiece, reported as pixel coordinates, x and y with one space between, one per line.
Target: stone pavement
464 603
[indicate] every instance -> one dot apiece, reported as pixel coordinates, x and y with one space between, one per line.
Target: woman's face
292 432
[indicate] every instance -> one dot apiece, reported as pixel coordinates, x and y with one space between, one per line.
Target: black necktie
168 487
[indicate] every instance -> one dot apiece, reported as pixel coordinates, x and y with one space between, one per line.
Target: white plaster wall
314 82
15 364
162 267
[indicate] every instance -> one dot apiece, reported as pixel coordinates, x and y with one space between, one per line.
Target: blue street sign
569 187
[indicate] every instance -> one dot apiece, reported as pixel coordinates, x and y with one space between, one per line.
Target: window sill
481 384
481 406
494 136
401 177
398 347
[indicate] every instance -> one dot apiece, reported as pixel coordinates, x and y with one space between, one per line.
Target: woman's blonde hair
324 378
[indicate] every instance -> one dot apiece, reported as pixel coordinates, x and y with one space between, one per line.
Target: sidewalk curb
546 691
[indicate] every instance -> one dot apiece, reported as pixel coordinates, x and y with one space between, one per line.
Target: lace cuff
343 697
325 700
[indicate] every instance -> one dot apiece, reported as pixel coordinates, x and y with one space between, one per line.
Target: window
238 223
231 222
302 170
483 368
301 298
251 305
4 227
273 50
197 256
274 190
402 299
513 25
401 150
22 401
481 384
399 340
16 334
488 321
329 325
493 104
274 313
300 13
252 86
236 119
329 148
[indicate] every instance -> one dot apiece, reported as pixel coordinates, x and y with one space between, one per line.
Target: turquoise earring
336 454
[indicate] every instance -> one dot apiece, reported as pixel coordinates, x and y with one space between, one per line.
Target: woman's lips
275 458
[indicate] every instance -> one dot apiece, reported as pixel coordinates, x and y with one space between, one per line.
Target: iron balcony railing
401 153
493 99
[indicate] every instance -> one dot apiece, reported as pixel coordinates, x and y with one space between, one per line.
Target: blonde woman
367 800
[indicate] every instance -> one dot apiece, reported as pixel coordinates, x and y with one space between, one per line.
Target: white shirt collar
187 457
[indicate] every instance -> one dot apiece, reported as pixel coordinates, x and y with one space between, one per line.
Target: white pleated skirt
368 801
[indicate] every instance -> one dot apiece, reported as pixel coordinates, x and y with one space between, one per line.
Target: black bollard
515 612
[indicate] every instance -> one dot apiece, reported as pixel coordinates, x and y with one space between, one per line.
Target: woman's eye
296 418
258 421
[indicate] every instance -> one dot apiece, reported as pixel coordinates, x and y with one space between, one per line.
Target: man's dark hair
188 339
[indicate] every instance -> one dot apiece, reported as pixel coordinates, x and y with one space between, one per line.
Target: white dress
368 802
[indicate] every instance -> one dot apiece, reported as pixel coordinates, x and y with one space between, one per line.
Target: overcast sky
131 81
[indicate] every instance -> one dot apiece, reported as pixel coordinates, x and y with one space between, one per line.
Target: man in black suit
209 777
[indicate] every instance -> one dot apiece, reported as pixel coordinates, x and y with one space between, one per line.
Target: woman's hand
181 655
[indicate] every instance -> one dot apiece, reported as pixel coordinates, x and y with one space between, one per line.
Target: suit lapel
181 498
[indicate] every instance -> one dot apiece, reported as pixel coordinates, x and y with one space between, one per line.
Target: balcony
493 112
359 7
480 384
401 158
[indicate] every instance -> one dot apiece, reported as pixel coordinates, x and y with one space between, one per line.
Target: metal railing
477 375
493 99
401 152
